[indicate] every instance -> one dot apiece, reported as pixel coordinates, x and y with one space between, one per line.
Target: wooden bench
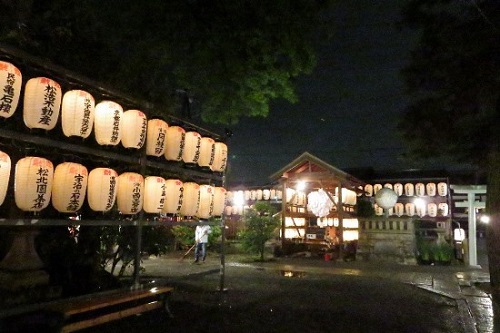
101 308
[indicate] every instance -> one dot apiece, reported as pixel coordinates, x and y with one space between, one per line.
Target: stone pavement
460 284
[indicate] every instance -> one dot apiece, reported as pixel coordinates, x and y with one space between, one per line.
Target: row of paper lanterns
410 189
411 209
37 183
44 100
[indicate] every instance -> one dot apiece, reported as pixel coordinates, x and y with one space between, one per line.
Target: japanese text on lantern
49 99
116 126
144 128
181 146
112 186
41 187
74 202
160 141
136 197
86 116
8 96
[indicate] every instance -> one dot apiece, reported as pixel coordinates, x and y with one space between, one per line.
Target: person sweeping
201 239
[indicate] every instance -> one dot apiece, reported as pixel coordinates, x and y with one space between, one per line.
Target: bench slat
111 316
102 301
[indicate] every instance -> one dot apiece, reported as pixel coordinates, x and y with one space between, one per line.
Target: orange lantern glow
430 189
10 85
42 102
130 193
107 123
156 137
399 209
77 113
219 200
220 157
33 183
102 189
398 188
442 189
207 152
369 190
174 197
419 189
69 187
190 199
134 126
191 151
410 208
5 165
409 189
206 203
155 191
175 143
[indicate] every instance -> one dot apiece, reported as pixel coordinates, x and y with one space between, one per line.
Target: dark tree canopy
454 79
233 57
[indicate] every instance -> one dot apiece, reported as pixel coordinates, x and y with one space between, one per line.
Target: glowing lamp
191 151
206 203
386 198
399 209
409 189
410 209
102 189
430 189
130 195
319 203
156 137
266 194
432 209
33 183
69 187
443 209
5 165
42 102
368 190
398 188
175 143
134 127
10 87
459 235
155 191
442 189
419 189
77 113
107 123
190 199
174 197
376 188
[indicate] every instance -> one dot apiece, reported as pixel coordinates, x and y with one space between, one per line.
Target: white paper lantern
206 204
443 207
266 194
191 151
156 137
220 159
432 209
190 199
77 113
279 194
421 210
5 166
386 198
10 87
248 195
260 196
134 127
376 188
155 192
399 209
442 189
430 189
229 196
42 102
409 189
108 123
368 190
388 185
228 211
319 203
419 189
130 196
69 187
410 208
175 143
33 183
207 152
173 200
398 188
102 189
378 210
219 200
349 197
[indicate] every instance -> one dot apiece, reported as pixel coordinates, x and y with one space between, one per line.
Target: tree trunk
493 231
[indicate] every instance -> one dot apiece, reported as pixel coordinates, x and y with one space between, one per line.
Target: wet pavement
420 298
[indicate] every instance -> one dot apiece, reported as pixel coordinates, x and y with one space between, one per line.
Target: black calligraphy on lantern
181 198
42 181
86 116
142 136
163 193
160 141
181 145
136 197
8 91
111 193
115 134
74 200
197 151
49 98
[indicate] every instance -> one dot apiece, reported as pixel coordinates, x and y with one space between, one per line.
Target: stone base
25 288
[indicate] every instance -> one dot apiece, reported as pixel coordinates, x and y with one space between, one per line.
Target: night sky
348 107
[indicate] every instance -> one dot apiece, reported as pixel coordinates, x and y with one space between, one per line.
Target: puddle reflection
289 273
